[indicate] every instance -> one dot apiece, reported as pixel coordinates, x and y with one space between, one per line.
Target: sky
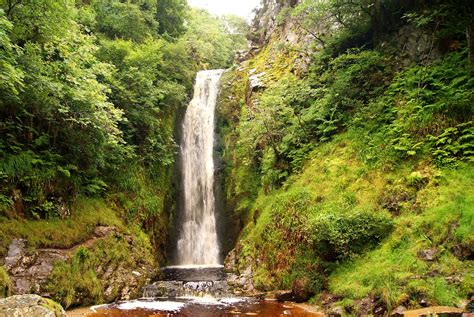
242 8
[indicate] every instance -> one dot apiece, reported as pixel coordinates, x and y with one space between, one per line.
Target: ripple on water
201 307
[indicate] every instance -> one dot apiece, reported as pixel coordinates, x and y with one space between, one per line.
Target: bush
338 237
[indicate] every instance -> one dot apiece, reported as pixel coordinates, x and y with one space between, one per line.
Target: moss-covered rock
30 306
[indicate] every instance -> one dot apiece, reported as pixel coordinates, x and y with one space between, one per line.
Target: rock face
265 23
30 306
240 280
30 270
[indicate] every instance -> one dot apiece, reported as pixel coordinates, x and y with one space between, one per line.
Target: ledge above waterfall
193 273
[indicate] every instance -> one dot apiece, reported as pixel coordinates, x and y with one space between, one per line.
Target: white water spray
197 243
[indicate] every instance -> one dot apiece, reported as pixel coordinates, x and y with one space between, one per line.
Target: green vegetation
5 283
347 170
55 233
81 276
90 94
394 272
347 143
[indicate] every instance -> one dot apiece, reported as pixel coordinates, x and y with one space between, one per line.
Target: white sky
242 8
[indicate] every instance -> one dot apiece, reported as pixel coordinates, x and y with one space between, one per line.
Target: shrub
338 237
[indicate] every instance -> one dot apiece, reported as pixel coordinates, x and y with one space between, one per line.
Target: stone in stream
30 306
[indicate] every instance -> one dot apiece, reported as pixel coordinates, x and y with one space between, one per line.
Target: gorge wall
336 165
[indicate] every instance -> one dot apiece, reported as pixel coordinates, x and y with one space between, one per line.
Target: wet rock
15 251
230 263
242 284
173 289
399 311
30 306
435 311
428 254
365 306
463 252
281 296
29 270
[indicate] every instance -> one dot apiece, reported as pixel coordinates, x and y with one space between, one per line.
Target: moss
5 283
52 306
86 215
394 272
82 278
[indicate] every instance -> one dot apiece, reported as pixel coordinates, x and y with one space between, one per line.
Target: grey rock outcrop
265 22
29 271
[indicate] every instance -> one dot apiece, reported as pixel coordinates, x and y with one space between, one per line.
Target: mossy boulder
30 306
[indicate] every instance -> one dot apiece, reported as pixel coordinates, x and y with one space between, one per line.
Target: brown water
196 309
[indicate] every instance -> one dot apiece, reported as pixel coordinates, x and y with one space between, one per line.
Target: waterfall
197 240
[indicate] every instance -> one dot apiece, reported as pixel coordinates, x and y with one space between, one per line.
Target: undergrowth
86 215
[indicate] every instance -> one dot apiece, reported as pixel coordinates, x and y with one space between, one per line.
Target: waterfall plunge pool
198 286
200 307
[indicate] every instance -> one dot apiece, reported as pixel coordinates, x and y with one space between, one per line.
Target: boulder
30 306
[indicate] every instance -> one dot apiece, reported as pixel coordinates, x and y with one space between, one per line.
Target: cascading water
197 242
198 285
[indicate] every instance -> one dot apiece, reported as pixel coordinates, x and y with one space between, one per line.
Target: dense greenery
90 93
348 141
359 159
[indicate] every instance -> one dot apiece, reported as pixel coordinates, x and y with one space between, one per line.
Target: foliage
89 88
133 20
341 168
339 237
207 41
171 16
5 283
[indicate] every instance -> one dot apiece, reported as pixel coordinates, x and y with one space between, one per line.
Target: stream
202 307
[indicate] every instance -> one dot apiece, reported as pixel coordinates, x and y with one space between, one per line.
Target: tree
131 20
171 15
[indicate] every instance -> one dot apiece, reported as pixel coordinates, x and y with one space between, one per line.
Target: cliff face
333 173
264 24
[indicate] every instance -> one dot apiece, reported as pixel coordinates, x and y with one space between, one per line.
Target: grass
56 233
5 283
335 192
329 210
394 272
82 277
